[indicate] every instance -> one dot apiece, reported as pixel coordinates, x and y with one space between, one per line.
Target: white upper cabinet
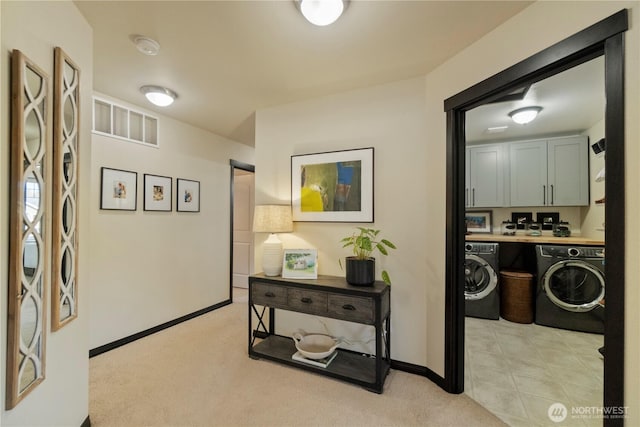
484 176
553 172
528 173
568 171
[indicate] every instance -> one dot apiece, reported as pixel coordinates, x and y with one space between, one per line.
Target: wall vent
121 122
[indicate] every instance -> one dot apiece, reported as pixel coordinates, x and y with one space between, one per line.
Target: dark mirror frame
603 38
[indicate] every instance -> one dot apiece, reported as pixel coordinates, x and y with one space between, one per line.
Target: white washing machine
481 292
571 287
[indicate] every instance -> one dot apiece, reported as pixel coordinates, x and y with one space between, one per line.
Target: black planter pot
360 272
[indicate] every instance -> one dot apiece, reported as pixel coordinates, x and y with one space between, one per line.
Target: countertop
544 239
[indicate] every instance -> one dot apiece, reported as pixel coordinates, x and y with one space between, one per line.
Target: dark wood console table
327 296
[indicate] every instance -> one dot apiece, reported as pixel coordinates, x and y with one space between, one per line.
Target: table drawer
355 309
270 295
307 301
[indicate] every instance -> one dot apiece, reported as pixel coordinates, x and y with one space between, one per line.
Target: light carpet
198 373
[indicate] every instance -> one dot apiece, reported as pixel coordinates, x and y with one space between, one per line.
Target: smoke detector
146 45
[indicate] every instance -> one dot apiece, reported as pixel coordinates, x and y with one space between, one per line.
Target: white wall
389 118
593 215
36 28
411 169
152 267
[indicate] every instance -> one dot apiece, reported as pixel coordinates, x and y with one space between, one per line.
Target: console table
327 296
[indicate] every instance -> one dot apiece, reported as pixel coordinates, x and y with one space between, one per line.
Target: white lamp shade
272 219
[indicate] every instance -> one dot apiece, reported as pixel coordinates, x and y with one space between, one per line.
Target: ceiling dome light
146 45
525 115
321 12
158 95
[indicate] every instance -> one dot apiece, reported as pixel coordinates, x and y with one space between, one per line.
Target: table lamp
272 219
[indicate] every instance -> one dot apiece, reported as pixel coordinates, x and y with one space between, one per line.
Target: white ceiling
227 59
572 102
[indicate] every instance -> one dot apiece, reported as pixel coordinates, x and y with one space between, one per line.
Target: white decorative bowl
315 346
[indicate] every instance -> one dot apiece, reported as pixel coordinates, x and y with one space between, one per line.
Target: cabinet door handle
306 300
544 194
348 307
473 197
466 197
551 193
269 294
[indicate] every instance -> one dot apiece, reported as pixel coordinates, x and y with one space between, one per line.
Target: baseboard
423 371
126 340
86 422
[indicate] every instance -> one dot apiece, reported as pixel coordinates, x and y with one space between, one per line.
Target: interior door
242 221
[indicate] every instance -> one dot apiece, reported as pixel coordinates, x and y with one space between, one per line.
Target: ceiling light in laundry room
525 115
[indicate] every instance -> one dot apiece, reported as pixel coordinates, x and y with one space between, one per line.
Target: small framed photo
118 189
188 195
547 219
300 264
521 219
157 193
479 222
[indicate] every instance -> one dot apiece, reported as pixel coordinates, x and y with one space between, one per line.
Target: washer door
574 285
479 278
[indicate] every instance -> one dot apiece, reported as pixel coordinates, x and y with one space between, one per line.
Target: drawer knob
306 300
348 307
269 294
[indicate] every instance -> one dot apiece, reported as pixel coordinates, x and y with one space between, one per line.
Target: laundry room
535 246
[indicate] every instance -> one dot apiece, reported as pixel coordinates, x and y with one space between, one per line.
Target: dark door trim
603 38
245 167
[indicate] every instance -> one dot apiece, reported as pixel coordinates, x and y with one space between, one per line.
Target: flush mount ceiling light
146 45
321 12
525 115
158 95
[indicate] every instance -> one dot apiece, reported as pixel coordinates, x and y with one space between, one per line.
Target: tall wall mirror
28 272
66 97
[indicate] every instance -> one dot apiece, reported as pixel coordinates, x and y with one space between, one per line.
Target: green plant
364 243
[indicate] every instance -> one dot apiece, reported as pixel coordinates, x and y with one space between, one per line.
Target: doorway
604 38
522 357
241 239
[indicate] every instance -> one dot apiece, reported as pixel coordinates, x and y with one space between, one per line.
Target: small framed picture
479 222
521 219
300 264
547 219
157 193
188 195
118 189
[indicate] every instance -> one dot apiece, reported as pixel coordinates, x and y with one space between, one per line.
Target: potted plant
361 266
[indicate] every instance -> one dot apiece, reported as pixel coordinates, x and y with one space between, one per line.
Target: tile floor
518 370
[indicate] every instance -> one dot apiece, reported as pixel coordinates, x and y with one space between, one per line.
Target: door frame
245 167
603 38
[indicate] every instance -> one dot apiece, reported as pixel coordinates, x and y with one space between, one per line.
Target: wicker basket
516 296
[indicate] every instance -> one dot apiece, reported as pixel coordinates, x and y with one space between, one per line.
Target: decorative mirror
28 240
64 225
